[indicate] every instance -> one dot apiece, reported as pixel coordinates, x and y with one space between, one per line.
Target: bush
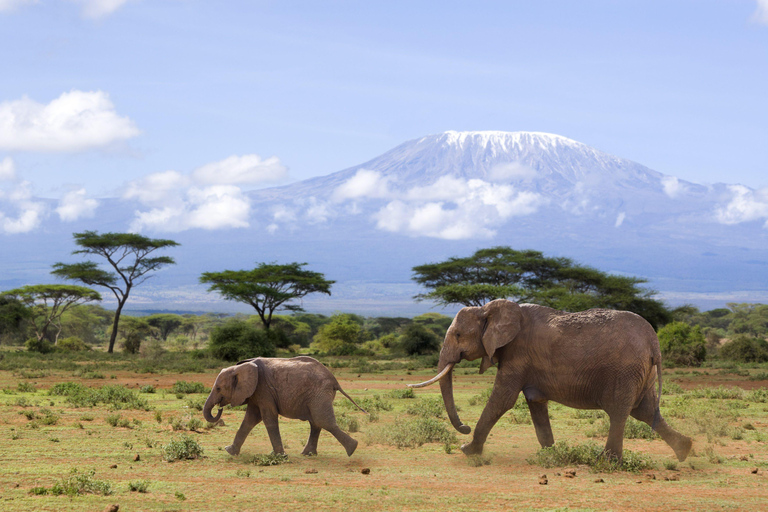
181 449
402 393
426 408
187 388
271 459
414 432
42 346
81 483
419 340
682 345
72 344
590 454
139 486
238 340
745 349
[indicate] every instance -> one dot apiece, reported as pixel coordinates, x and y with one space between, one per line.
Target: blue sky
101 98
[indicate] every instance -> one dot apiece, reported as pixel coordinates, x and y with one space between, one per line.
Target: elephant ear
245 376
502 323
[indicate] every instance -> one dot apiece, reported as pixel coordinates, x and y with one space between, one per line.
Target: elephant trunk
208 407
446 388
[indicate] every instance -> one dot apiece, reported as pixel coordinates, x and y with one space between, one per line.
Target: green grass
410 433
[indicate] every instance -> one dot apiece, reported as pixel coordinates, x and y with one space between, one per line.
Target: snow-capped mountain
447 195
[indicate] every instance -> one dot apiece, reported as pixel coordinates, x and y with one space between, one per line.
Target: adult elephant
596 359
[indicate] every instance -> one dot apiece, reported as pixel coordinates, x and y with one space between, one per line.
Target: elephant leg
273 429
540 417
614 447
314 435
646 412
500 401
324 417
347 441
251 419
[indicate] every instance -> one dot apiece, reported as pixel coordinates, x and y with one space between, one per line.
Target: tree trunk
115 323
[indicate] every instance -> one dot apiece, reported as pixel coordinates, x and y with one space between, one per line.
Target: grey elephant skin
596 359
297 388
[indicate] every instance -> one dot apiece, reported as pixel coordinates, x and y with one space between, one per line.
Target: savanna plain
88 431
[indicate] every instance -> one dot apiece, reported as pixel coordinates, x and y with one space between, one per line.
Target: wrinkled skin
298 388
596 359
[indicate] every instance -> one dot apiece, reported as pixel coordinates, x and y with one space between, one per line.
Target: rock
366 471
744 458
136 458
650 476
112 508
599 481
570 473
311 471
543 480
113 466
754 471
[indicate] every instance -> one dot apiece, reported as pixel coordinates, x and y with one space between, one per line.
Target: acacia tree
129 254
268 287
529 276
47 302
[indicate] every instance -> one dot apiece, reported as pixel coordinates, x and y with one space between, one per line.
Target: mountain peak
504 139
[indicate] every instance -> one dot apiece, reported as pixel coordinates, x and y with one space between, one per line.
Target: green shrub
81 483
42 346
589 454
745 349
402 393
139 486
271 459
482 398
682 345
149 388
181 449
348 423
116 420
119 397
187 388
72 344
410 433
426 407
238 340
26 387
418 340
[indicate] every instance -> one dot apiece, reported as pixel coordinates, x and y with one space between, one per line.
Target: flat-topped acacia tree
268 287
129 254
47 302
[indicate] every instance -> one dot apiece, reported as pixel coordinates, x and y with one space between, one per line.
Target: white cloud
211 197
7 5
75 205
620 219
672 186
761 13
158 188
99 8
454 209
215 207
512 171
28 214
364 183
7 169
745 205
74 121
241 170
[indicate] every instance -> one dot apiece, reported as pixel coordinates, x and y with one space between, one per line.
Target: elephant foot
351 447
683 448
472 449
309 452
232 450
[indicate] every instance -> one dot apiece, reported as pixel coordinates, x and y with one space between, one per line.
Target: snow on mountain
426 200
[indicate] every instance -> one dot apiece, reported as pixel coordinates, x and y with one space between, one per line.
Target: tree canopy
46 304
530 276
129 254
268 287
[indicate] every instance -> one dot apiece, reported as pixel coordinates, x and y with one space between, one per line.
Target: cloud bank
761 13
745 205
75 121
19 213
210 197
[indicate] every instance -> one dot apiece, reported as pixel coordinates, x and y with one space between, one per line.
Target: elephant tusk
434 379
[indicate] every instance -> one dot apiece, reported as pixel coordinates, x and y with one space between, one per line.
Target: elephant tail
657 414
350 398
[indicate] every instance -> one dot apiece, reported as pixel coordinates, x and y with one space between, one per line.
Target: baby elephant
297 388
